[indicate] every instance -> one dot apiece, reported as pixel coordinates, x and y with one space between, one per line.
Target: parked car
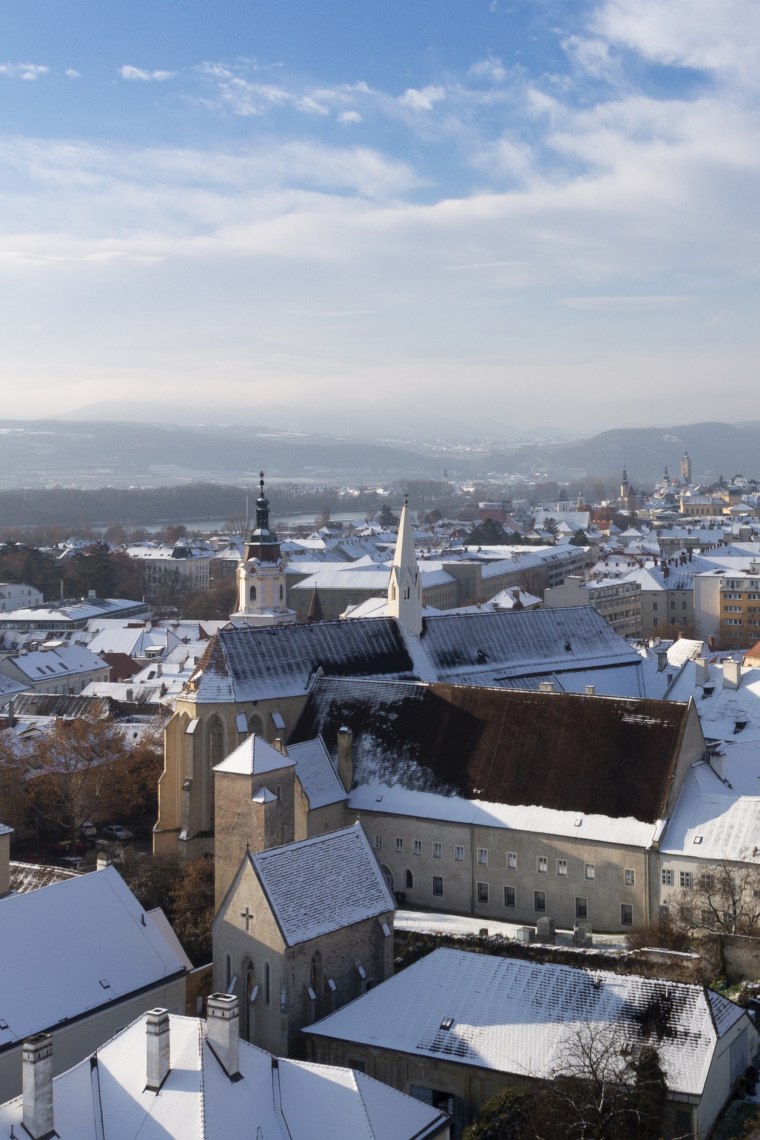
118 832
88 830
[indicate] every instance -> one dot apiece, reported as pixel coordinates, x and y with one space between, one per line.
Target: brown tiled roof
595 755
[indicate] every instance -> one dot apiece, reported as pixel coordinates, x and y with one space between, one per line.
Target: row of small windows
542 861
483 891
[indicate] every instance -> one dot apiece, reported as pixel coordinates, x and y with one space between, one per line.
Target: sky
457 216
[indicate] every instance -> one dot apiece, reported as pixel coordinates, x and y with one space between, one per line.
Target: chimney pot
158 1033
223 1031
37 1097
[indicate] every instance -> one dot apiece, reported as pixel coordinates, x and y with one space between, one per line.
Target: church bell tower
261 574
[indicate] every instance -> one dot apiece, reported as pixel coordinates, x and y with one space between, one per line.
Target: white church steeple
404 587
261 574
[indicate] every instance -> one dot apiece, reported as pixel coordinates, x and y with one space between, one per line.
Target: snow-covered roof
73 947
155 641
590 755
105 1097
30 876
254 757
714 819
322 884
315 770
9 687
46 664
521 1018
398 800
722 708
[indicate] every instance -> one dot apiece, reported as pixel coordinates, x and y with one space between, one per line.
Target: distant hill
42 453
715 449
90 453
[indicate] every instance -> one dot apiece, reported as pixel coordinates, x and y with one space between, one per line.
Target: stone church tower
686 468
405 587
261 574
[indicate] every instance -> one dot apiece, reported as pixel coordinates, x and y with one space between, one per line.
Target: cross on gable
246 914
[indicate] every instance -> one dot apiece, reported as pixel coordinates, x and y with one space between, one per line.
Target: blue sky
460 216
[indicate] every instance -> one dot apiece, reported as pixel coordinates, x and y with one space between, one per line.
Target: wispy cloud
143 76
29 71
424 99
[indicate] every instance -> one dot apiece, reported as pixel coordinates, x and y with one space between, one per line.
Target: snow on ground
458 926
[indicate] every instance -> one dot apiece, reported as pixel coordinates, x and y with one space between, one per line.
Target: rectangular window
581 907
378 842
542 864
399 844
589 870
510 896
654 605
482 892
459 854
483 856
667 878
562 866
437 850
626 914
685 879
438 886
511 860
416 846
539 901
629 876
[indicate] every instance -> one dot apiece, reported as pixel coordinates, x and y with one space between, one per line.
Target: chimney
222 1031
158 1033
37 1097
700 671
662 659
718 764
345 758
732 674
590 690
278 744
547 687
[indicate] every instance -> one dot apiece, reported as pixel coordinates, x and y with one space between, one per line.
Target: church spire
262 543
404 587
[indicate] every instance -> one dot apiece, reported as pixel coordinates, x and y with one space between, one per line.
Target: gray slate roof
475 648
322 884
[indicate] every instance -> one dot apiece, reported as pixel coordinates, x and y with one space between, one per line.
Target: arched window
256 724
281 593
267 983
249 982
227 973
315 972
406 592
216 751
388 876
252 594
408 880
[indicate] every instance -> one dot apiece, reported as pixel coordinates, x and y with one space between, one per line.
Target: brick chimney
345 757
223 1031
158 1035
37 1097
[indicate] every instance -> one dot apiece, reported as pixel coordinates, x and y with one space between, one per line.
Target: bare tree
606 1087
82 769
724 898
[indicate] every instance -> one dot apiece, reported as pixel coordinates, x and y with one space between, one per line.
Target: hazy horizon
480 218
